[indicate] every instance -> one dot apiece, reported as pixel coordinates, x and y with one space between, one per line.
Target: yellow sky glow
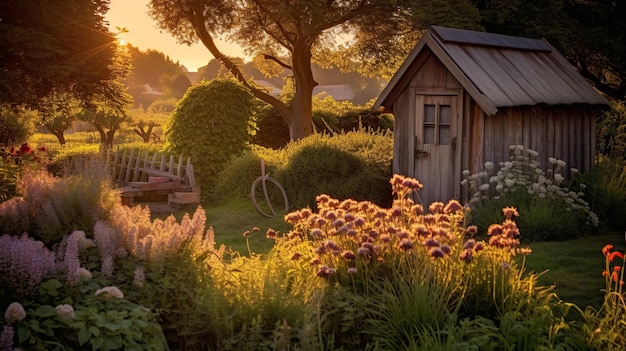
143 33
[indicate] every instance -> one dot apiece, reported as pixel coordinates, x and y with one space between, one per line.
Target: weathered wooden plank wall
563 132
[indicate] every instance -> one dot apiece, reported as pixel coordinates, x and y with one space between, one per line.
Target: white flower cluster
15 312
65 311
523 170
110 291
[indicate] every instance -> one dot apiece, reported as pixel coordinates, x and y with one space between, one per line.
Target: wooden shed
462 98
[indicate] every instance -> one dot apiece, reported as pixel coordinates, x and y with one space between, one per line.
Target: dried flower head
65 311
15 312
84 274
109 292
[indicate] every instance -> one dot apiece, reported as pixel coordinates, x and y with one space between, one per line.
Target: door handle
420 153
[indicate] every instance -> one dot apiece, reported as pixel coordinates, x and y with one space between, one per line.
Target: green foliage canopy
211 124
54 45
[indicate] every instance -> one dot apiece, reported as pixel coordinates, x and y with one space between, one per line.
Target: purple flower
305 213
320 250
271 234
446 249
436 253
331 215
417 210
453 206
6 338
472 229
412 184
469 245
359 222
338 222
363 251
348 255
422 230
322 199
332 245
349 217
467 256
431 243
325 271
403 234
292 218
395 212
317 233
405 245
26 260
436 207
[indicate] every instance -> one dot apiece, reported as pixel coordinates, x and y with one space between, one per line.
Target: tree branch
198 19
279 62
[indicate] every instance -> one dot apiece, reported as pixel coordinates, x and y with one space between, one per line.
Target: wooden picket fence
152 176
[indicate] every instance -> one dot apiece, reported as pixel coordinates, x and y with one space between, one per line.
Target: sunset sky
143 33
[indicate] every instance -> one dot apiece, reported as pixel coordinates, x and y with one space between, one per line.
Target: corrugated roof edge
464 36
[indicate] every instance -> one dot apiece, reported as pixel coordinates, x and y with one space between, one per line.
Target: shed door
435 146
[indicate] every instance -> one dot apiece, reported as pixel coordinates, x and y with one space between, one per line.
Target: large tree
591 34
48 46
286 33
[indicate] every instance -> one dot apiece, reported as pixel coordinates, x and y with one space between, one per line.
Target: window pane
429 113
429 134
445 114
444 135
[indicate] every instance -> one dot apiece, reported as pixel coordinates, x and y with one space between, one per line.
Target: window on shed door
437 119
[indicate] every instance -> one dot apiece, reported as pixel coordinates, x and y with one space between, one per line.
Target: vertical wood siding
563 132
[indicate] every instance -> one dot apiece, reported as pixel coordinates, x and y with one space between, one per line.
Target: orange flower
605 273
510 212
614 277
615 254
617 268
606 249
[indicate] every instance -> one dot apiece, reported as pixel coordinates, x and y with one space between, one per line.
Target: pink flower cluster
25 260
349 232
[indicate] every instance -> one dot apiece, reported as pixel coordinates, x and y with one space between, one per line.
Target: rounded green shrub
327 169
15 126
211 123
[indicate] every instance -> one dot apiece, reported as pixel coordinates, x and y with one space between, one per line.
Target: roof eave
390 93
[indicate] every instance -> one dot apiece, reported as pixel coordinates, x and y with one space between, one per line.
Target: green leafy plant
98 323
212 123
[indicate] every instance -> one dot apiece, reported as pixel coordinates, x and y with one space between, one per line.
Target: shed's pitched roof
499 70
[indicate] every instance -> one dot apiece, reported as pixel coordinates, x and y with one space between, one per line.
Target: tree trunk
300 116
103 134
110 137
144 134
57 133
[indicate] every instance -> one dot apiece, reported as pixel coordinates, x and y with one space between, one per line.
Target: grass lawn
231 220
574 267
